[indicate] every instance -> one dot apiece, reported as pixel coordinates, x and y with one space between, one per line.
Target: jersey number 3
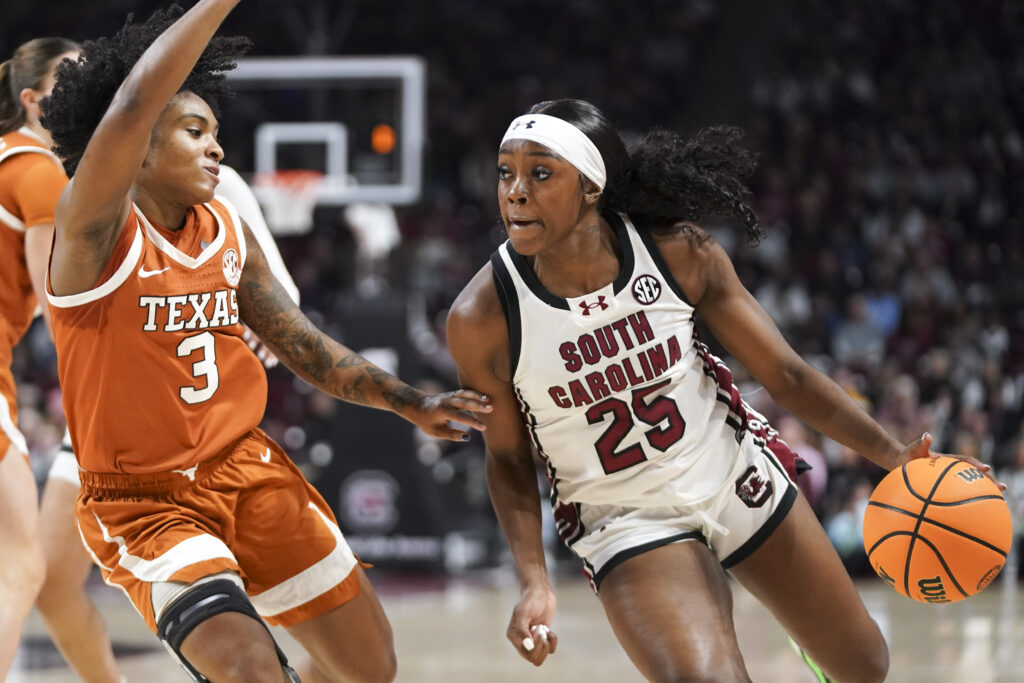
205 367
653 413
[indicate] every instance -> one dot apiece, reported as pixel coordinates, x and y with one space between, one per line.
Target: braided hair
668 178
85 89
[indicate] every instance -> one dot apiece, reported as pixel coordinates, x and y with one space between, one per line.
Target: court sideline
452 630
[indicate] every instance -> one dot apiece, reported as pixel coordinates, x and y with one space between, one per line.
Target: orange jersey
31 180
154 371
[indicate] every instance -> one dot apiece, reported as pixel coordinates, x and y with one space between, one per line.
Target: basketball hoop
288 197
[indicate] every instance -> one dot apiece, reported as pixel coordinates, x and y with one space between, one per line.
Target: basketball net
288 197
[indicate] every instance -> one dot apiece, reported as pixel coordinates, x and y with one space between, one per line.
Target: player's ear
29 98
591 192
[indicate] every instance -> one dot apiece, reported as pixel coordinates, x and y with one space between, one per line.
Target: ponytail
10 106
678 179
31 63
668 179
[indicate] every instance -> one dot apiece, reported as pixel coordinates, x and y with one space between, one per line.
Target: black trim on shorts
755 541
621 557
509 300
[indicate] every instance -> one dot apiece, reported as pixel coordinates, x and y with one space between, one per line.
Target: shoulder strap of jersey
236 224
124 270
11 151
6 217
509 299
10 220
652 249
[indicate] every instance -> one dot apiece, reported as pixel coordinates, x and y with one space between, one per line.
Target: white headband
563 138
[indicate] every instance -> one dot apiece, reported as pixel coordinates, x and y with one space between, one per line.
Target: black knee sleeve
199 604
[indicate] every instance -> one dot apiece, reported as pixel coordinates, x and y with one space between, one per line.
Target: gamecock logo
753 489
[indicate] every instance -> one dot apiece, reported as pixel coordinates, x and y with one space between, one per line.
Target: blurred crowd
891 190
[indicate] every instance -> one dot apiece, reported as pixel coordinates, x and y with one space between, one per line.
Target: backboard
358 120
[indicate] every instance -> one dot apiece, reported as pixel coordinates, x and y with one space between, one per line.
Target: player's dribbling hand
922 449
450 415
529 630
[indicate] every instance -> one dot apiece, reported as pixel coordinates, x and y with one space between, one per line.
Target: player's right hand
450 415
922 448
529 630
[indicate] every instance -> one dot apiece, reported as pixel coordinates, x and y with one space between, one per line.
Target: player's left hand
528 629
922 448
268 359
450 415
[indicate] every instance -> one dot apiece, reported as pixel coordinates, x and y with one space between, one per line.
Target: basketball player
186 506
63 602
581 331
31 180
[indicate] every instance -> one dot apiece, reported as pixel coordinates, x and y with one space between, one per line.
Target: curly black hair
667 178
84 89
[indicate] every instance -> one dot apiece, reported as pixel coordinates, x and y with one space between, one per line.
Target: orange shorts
247 510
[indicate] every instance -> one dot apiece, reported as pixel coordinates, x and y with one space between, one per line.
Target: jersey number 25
653 413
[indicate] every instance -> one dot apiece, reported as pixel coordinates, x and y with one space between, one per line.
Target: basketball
937 530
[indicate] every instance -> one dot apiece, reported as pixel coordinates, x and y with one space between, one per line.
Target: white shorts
10 435
733 523
64 465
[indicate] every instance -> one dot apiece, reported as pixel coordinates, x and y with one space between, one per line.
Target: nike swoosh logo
265 457
150 273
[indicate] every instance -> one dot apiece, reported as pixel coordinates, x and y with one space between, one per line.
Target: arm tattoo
309 353
398 401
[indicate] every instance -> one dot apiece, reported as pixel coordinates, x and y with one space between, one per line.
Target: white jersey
622 400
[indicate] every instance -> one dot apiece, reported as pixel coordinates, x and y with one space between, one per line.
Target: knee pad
199 604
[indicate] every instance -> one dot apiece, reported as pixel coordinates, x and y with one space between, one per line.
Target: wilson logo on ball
932 590
973 474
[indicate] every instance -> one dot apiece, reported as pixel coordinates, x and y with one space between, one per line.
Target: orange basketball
937 530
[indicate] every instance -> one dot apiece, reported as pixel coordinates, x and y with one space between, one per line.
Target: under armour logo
587 307
190 472
524 124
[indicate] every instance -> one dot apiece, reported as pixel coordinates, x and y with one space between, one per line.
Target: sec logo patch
646 289
232 269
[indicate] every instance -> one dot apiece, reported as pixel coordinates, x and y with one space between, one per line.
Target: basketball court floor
453 630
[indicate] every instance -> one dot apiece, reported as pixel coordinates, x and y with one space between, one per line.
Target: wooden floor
452 630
